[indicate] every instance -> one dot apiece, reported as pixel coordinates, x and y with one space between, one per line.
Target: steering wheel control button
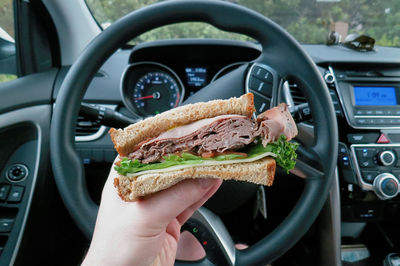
262 74
6 225
4 190
387 158
386 186
16 194
17 172
260 86
261 104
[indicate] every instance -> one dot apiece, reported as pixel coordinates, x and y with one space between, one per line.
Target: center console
369 156
369 147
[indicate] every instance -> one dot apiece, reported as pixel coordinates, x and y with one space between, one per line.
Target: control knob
329 78
386 186
387 158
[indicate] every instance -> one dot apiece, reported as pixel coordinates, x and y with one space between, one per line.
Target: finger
186 214
168 204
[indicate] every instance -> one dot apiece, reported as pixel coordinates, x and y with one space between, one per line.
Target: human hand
145 232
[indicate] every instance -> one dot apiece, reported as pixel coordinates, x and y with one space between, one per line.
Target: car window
309 21
106 12
7 43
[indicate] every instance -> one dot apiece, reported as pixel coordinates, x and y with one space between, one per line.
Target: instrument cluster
161 75
149 88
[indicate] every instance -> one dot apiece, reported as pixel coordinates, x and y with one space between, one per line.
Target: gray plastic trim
36 116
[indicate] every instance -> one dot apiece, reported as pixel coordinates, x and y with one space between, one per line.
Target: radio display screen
377 96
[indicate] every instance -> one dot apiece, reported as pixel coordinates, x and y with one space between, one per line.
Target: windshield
309 21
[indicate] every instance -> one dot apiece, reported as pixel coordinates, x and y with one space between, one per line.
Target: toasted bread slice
126 139
259 172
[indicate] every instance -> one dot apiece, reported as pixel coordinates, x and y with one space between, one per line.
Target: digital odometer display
375 96
196 76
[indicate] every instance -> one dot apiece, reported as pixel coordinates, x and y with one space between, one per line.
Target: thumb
166 205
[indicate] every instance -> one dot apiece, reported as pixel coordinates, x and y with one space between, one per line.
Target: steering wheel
281 54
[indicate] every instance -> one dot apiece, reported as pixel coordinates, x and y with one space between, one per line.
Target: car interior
71 70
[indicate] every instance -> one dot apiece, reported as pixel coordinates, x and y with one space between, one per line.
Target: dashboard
365 88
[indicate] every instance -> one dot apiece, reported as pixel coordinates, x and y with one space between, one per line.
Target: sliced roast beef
218 134
275 122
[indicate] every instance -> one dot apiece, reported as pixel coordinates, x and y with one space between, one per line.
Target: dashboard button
359 112
362 138
343 149
365 163
379 112
389 112
365 152
369 112
382 121
369 176
361 121
383 139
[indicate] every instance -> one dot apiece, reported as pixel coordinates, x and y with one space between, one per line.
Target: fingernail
205 182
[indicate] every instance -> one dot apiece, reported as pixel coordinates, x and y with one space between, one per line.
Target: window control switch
16 194
4 190
6 225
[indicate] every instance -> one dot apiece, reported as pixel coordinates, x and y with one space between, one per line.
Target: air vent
297 95
86 127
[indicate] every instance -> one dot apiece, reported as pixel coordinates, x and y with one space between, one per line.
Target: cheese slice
203 163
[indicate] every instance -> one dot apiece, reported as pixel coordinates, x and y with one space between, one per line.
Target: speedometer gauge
150 88
156 92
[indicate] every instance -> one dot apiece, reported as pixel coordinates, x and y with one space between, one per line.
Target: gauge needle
145 97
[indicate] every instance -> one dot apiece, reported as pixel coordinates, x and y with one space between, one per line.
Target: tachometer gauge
151 88
156 92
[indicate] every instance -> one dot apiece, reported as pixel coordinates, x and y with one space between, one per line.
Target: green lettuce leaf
284 150
285 157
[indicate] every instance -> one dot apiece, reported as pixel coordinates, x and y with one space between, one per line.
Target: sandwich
215 139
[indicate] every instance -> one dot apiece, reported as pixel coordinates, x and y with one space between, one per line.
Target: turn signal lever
105 116
301 112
